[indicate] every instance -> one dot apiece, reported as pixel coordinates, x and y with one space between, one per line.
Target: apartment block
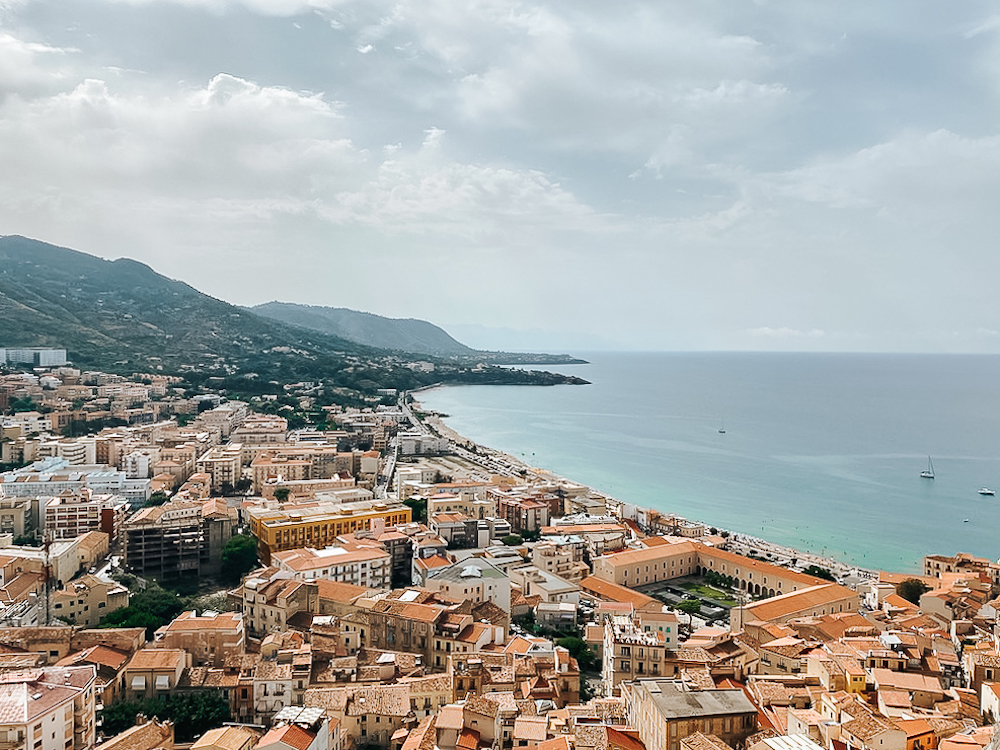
630 652
85 600
222 464
210 638
178 538
70 514
562 556
48 709
363 563
316 524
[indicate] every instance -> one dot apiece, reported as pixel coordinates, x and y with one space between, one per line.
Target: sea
820 452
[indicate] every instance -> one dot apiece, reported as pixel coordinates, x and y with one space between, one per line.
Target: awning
139 682
162 682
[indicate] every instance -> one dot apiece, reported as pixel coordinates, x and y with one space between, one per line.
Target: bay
821 452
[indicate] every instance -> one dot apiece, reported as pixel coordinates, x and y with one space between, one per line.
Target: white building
35 356
70 514
53 476
50 708
367 565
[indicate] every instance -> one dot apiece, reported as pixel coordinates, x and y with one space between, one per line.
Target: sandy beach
498 462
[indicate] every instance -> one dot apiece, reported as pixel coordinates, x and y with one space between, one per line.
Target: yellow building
317 524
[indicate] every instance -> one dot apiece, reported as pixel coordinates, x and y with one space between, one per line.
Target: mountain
123 310
407 335
122 316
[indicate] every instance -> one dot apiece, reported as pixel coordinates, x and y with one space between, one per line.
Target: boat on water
986 491
928 473
722 427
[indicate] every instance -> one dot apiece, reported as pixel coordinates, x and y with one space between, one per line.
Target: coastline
490 458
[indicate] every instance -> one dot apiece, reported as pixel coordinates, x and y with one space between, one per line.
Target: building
474 578
70 514
630 652
317 523
33 356
52 476
222 464
51 708
178 538
85 600
361 563
550 587
563 556
210 638
667 711
827 598
153 673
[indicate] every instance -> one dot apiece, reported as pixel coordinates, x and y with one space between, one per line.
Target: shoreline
739 542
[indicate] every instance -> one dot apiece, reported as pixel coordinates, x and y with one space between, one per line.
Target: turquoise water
821 451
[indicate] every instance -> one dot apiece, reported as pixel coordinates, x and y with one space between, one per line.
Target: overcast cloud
653 175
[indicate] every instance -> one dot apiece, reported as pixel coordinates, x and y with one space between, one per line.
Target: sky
657 175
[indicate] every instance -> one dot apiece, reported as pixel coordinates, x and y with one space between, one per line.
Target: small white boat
966 520
928 473
986 491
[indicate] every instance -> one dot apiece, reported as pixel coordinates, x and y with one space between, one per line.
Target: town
180 568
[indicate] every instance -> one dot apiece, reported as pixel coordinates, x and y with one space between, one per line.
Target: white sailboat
928 473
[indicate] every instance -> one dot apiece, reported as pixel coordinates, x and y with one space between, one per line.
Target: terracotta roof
157 658
796 601
613 592
227 738
291 735
146 736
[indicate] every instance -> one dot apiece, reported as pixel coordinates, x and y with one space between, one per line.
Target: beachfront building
666 558
938 566
812 601
667 711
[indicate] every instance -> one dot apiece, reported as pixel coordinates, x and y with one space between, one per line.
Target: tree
912 589
281 494
148 609
512 540
239 557
419 507
243 485
579 650
690 607
818 572
157 498
193 714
